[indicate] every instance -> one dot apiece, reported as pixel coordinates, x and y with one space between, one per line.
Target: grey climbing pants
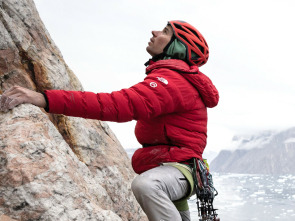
155 190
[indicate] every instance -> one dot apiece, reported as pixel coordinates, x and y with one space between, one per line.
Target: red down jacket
170 107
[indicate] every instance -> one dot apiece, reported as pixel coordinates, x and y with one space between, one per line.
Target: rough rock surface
54 167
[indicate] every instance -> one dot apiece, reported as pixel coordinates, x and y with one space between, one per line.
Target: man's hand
18 95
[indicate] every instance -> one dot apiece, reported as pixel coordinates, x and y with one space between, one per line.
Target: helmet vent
194 32
200 47
182 36
178 26
189 42
195 56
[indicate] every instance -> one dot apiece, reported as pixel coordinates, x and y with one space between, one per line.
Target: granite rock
54 167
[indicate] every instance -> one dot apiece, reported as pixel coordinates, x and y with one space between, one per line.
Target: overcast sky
251 62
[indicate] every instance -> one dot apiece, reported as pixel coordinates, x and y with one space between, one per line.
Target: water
252 197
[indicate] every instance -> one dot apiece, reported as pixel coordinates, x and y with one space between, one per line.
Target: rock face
265 153
54 167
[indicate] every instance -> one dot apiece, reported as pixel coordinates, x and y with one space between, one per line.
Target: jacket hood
200 81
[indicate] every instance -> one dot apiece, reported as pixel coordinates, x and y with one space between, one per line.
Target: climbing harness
205 190
197 173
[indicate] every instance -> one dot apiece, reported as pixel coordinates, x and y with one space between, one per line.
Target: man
170 107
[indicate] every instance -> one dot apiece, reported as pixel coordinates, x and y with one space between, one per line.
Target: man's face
159 41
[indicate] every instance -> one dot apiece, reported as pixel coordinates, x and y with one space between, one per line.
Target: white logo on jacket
162 80
153 84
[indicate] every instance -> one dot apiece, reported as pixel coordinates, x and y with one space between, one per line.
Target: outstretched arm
145 100
19 95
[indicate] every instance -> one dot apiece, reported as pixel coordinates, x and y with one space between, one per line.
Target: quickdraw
205 191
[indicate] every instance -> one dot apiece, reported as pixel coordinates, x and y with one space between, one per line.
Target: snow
260 139
290 140
247 142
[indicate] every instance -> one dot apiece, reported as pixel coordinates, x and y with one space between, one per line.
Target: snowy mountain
268 152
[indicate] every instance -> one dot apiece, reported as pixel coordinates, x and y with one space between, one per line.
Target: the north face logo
162 80
153 84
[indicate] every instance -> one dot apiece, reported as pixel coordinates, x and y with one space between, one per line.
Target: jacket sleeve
144 100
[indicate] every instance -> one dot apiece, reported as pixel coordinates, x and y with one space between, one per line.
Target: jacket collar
173 64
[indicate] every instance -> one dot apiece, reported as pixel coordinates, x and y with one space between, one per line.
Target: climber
170 107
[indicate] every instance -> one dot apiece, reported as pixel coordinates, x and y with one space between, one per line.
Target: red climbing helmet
197 51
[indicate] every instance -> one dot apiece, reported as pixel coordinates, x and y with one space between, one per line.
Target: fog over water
245 197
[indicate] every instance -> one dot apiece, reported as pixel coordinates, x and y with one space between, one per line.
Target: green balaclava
175 50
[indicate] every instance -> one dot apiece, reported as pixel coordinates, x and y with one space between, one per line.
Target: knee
142 185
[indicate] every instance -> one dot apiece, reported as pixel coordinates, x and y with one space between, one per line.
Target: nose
155 33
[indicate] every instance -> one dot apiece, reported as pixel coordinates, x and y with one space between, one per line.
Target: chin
149 51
